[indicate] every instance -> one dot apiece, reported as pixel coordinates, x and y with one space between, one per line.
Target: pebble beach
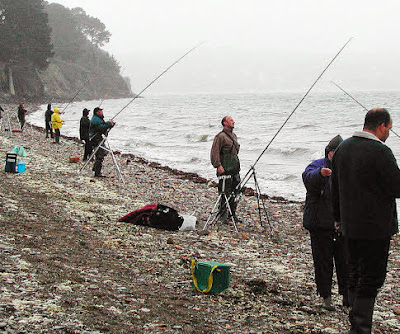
68 266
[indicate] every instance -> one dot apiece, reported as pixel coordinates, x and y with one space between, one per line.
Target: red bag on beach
155 215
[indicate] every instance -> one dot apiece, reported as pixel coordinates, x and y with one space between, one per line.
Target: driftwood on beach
68 266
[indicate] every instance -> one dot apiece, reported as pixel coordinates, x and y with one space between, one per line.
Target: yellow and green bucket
210 277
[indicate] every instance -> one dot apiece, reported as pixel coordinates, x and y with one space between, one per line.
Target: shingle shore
68 266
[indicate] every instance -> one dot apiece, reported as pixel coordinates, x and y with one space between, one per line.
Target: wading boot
351 295
362 311
328 304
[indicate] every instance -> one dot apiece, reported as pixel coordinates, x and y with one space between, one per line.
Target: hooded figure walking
327 243
98 128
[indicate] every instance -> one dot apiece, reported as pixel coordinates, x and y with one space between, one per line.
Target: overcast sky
252 45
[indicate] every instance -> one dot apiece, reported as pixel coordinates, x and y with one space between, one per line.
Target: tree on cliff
91 27
78 39
24 36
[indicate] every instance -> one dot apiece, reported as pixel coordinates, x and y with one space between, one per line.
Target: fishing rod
136 96
160 75
358 102
104 97
251 170
87 81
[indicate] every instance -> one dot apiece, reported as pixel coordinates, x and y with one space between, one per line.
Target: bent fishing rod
251 170
155 79
136 96
358 103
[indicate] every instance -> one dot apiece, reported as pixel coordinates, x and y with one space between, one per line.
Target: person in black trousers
84 126
327 243
47 119
365 184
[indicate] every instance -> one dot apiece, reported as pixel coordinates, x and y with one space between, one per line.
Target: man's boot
97 168
363 309
351 296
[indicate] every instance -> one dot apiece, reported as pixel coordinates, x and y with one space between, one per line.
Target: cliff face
63 80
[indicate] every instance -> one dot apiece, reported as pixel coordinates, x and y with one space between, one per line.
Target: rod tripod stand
221 204
104 145
261 208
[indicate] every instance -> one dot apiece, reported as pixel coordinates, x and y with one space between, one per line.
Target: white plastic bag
189 223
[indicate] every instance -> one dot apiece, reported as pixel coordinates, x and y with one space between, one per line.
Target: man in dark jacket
47 120
365 183
224 157
98 128
327 244
84 126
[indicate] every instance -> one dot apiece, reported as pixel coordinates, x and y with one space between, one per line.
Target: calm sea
178 130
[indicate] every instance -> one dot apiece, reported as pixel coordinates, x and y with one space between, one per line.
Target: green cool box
210 277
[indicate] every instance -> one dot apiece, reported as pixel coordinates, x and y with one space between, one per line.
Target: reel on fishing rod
104 142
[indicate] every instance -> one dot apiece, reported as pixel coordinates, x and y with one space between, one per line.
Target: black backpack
158 216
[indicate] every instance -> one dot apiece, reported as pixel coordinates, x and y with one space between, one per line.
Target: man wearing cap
84 126
365 184
98 128
327 244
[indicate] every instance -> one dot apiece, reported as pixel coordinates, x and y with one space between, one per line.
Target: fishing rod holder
104 145
221 204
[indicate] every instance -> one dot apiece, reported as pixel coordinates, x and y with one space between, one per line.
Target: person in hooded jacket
47 120
84 126
56 123
98 128
327 244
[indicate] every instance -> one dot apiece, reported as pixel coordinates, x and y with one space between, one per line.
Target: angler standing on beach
47 120
98 128
21 114
56 123
327 243
84 126
224 157
365 184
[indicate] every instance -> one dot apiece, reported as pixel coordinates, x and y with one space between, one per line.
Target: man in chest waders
224 157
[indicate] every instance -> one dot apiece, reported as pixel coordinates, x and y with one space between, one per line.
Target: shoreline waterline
248 191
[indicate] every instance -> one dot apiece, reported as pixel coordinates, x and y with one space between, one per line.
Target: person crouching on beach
327 243
56 123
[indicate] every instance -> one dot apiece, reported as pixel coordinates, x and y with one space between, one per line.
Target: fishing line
358 103
251 170
160 75
87 81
